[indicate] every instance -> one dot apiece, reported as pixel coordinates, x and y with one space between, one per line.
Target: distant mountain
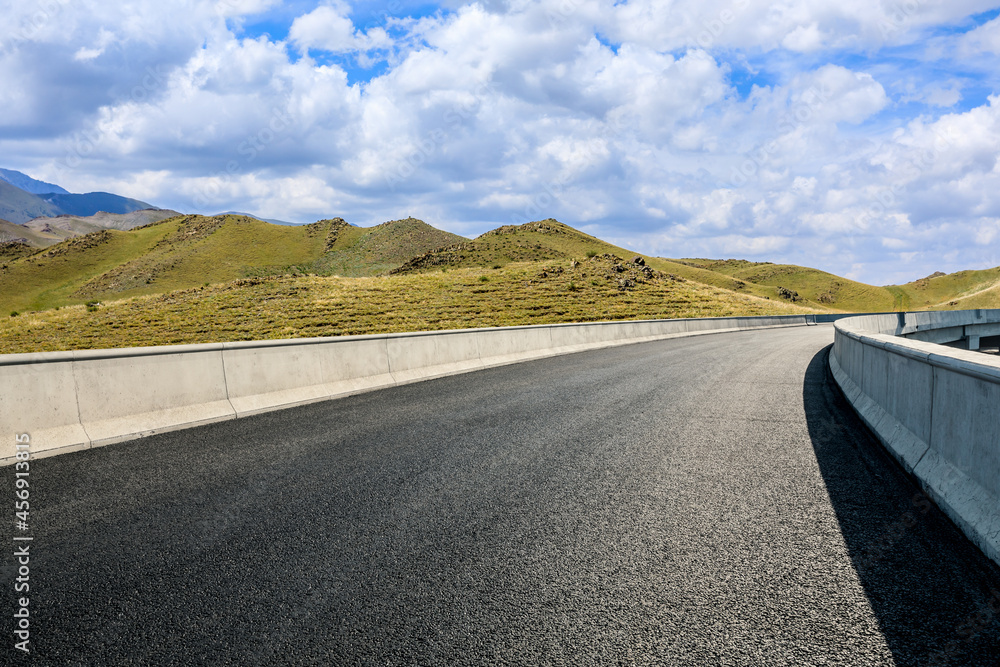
36 238
257 217
187 251
28 184
19 205
67 226
94 202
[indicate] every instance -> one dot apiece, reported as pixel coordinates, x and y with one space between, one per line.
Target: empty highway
698 501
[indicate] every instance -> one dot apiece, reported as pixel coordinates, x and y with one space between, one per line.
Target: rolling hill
273 221
602 287
964 289
367 251
34 239
192 278
550 239
812 287
74 225
19 205
187 251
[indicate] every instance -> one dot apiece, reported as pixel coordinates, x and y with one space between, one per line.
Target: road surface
698 501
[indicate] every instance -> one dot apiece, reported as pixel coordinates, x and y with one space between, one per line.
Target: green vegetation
187 251
965 289
13 234
532 242
956 291
53 276
288 307
193 279
815 288
369 251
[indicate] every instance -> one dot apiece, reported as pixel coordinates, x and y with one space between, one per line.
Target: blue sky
856 137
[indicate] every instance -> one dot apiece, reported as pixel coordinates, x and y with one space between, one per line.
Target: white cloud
241 8
766 25
626 117
328 28
836 94
104 38
988 231
983 39
804 39
752 245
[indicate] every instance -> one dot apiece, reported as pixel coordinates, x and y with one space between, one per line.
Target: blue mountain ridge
29 184
19 204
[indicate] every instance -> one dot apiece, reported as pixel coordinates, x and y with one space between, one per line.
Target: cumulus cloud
985 38
329 28
742 128
769 26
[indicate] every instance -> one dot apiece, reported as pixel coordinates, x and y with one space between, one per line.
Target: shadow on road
936 597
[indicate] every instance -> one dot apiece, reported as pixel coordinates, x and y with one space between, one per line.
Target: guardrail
935 408
68 401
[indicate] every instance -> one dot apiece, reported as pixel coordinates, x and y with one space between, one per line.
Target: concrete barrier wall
936 409
72 400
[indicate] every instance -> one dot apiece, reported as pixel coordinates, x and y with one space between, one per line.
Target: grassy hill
533 241
35 238
965 289
51 277
602 287
368 251
550 239
74 225
813 287
189 251
230 277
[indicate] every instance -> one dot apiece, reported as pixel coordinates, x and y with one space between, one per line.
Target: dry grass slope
369 251
191 279
964 289
813 287
593 289
189 251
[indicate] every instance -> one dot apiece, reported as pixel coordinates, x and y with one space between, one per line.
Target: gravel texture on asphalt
698 501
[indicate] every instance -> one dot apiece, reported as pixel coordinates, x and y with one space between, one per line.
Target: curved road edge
934 410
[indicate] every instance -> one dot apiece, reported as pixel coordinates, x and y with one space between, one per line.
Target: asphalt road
698 501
